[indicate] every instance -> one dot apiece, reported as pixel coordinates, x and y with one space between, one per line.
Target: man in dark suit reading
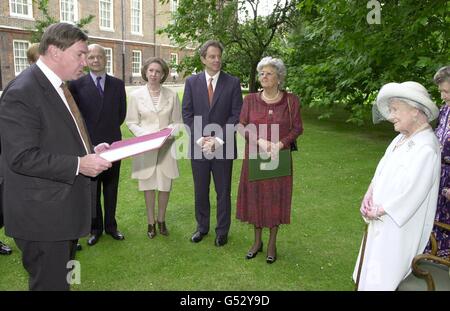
212 103
102 102
48 160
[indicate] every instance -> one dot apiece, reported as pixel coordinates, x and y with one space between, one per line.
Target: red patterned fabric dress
267 203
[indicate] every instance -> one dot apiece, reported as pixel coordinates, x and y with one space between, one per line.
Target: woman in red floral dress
266 203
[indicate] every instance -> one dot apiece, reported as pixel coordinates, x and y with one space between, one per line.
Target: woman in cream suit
151 108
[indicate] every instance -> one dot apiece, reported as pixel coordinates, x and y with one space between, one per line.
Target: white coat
406 185
144 118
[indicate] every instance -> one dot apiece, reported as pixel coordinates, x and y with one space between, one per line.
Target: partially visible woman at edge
151 108
442 131
267 203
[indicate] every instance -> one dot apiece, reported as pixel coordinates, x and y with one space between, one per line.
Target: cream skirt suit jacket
154 169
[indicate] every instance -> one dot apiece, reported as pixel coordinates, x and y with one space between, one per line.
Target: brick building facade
126 28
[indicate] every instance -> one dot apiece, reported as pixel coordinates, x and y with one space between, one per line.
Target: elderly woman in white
151 108
400 204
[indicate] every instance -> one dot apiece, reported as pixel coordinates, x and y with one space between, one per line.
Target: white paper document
133 146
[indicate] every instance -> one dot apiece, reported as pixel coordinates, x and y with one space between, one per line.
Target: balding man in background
102 102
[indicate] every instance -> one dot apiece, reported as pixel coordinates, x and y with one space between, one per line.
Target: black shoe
221 240
271 259
5 249
197 236
251 255
116 235
151 231
93 239
163 228
79 247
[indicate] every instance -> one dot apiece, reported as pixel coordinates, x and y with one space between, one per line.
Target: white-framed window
21 8
173 10
136 17
136 63
173 70
20 48
109 61
106 14
173 6
68 10
173 59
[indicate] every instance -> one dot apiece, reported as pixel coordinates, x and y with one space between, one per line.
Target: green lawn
317 251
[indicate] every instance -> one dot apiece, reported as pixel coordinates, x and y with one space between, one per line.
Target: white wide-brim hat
411 90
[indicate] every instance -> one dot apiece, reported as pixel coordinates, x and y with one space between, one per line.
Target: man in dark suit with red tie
47 160
102 102
212 103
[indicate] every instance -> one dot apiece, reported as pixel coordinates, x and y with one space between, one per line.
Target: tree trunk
252 79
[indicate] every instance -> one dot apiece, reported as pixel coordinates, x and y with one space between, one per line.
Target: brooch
410 144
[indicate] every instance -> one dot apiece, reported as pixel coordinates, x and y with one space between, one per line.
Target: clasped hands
369 210
93 164
208 144
270 147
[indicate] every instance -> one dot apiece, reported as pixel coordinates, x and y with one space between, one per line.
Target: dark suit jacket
225 110
44 199
103 116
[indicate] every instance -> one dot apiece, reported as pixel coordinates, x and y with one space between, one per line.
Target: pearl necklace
270 99
153 92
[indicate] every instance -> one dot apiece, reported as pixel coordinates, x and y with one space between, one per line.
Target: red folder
133 146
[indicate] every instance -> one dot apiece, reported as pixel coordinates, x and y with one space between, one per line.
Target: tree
238 24
336 58
42 24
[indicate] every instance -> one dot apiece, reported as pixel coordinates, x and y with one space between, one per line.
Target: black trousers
108 181
221 171
46 263
1 205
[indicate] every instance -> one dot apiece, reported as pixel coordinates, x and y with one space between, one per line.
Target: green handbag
259 168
